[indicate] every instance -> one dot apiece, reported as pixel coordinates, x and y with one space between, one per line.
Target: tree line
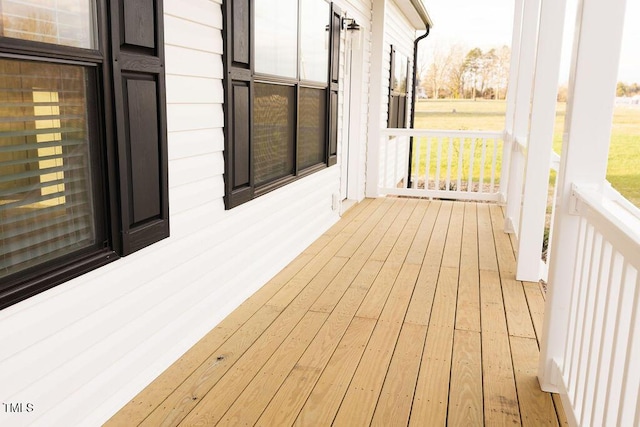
459 73
456 72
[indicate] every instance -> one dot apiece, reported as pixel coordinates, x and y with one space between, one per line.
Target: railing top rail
443 133
620 221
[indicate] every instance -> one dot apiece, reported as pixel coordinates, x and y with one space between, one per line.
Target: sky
488 23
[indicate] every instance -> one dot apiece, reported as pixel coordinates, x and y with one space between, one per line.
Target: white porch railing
445 164
599 374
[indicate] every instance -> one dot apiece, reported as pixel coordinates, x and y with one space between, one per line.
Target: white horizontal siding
193 90
195 142
393 163
182 61
81 350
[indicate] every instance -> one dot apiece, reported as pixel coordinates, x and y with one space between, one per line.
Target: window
282 94
81 183
398 89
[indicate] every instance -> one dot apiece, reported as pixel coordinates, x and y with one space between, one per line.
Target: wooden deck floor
406 312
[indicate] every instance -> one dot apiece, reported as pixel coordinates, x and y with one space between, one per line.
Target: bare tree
454 78
457 72
503 56
437 70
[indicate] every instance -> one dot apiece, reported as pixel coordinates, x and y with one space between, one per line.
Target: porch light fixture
353 29
352 24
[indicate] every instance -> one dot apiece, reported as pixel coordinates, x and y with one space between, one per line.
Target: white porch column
513 64
526 65
592 86
543 116
376 99
511 96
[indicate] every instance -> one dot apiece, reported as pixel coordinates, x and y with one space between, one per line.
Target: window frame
239 60
396 116
298 173
108 162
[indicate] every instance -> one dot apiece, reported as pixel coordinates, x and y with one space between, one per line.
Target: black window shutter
141 129
238 57
334 80
392 111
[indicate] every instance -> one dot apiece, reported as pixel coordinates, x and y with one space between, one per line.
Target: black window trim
116 238
395 119
238 60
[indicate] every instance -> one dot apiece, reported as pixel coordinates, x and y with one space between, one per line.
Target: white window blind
46 208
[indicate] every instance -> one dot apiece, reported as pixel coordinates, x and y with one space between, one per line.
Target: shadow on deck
406 312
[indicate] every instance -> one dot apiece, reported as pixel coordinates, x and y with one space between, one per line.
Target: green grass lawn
624 152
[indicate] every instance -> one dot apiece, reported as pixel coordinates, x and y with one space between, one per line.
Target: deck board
405 312
465 391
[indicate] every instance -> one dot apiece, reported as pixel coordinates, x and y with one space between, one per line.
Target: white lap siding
81 350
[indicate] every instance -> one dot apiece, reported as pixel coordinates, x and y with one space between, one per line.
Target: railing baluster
612 286
385 165
494 162
483 160
610 413
472 161
587 319
631 372
405 165
579 312
439 158
449 156
573 301
596 309
394 178
427 165
460 163
415 170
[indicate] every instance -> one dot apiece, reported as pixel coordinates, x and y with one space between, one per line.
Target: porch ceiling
405 312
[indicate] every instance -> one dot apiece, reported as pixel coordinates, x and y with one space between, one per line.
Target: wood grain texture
326 397
536 303
394 405
536 406
487 257
362 330
468 308
465 393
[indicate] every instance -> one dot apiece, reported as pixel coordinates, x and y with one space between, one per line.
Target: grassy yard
624 152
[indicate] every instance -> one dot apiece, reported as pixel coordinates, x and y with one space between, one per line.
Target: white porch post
511 96
376 98
543 115
592 85
526 64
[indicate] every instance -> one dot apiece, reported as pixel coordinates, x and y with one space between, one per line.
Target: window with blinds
46 197
83 143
